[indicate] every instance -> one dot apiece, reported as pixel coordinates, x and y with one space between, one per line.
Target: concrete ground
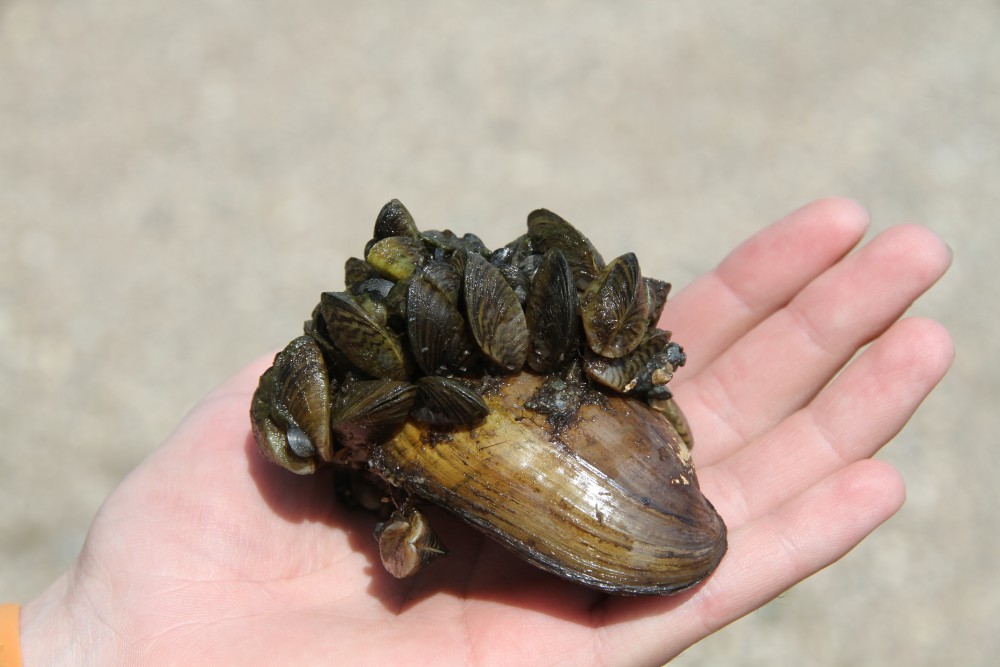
178 181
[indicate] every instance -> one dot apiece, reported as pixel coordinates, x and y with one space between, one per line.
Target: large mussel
523 389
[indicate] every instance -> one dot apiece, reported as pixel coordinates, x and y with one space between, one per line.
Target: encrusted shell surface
523 389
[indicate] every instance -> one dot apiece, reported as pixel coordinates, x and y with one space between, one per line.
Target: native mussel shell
523 389
553 503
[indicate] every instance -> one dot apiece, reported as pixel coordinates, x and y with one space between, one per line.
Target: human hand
206 554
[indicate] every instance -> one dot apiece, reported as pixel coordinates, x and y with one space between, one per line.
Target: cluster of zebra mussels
523 389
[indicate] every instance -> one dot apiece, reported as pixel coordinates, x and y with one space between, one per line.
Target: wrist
58 630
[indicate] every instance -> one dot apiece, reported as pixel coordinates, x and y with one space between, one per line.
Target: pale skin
205 554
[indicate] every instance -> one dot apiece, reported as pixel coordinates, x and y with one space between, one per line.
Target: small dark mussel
523 389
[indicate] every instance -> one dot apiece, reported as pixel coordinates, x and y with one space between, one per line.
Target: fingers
805 494
861 410
765 558
760 276
780 365
779 549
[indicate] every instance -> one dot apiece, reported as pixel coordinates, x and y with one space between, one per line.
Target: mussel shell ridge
610 501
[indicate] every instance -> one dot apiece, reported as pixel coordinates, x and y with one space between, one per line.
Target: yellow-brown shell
610 501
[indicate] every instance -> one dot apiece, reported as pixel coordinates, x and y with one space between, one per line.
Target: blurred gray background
179 181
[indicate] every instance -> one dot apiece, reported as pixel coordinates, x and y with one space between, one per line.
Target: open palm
206 554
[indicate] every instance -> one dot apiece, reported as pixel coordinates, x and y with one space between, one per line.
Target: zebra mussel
439 349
